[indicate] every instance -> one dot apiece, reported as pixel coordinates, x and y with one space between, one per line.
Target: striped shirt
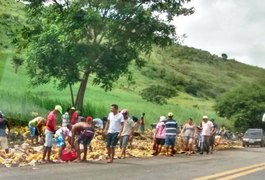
171 127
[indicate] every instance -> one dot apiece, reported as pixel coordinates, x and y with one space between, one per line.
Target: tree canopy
245 105
69 40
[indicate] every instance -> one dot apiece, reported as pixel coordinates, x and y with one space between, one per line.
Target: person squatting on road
114 127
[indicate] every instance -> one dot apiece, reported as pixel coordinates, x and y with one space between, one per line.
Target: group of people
75 129
202 137
117 126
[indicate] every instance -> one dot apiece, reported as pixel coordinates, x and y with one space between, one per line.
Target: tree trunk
72 94
81 93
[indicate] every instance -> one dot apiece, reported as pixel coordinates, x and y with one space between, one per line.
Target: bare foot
77 161
43 161
109 161
60 161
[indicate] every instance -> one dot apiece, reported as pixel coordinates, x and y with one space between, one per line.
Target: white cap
204 117
162 118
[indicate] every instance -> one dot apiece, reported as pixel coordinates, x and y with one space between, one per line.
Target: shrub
158 94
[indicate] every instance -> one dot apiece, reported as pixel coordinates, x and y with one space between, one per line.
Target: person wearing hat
82 133
207 130
171 133
160 135
127 132
50 130
3 136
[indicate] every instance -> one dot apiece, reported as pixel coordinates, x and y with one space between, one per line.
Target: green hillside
198 76
208 78
11 18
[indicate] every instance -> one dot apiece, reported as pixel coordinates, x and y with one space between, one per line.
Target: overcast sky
234 27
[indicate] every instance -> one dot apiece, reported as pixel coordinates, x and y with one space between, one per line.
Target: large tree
69 40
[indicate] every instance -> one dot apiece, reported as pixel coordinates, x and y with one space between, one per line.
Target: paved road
242 164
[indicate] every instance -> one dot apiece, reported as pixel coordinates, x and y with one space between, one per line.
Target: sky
233 27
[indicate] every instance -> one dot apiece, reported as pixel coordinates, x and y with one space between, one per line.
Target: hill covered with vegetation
193 79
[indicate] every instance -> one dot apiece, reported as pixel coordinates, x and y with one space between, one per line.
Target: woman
160 135
188 133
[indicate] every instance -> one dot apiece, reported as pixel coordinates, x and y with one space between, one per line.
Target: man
207 130
3 136
35 128
82 133
74 115
50 130
114 127
212 137
127 133
171 133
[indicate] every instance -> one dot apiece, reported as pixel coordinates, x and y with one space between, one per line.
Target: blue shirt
171 127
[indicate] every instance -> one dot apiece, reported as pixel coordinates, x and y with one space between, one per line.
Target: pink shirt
160 130
207 128
51 121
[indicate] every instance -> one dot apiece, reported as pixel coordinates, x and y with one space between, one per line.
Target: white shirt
207 128
263 118
115 122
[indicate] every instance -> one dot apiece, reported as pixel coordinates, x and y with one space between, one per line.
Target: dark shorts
212 140
170 141
86 137
160 141
112 139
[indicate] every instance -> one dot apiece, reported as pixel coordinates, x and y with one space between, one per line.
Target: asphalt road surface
248 163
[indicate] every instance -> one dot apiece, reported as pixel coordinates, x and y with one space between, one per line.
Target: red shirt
74 118
51 121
